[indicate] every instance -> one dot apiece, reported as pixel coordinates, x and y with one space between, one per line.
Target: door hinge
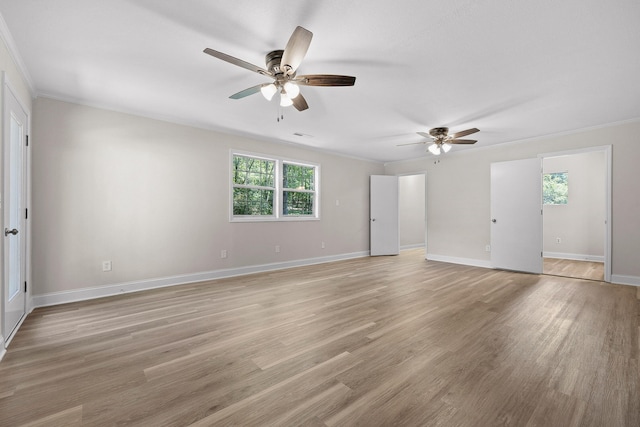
26 214
25 286
27 139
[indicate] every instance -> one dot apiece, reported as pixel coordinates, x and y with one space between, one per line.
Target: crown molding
10 43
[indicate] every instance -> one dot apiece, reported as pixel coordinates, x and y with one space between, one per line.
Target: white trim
414 246
278 189
574 257
15 330
64 297
200 125
455 260
625 280
607 150
10 43
8 90
3 348
575 151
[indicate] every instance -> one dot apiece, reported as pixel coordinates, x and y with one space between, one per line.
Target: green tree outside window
555 188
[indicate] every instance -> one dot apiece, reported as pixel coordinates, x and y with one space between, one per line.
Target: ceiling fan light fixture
268 91
285 101
446 147
292 89
434 149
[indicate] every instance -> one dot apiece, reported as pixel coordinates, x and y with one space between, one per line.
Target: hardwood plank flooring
368 342
571 268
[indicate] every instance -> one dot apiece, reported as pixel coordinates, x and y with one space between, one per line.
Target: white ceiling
514 69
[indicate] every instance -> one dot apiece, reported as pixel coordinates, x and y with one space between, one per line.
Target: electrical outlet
106 265
487 248
337 202
277 249
223 253
322 245
558 240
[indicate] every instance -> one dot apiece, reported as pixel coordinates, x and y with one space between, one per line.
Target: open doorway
412 211
575 215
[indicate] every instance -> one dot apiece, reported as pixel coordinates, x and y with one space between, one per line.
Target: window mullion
279 190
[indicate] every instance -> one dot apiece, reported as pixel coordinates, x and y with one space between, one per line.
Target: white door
516 215
14 142
384 222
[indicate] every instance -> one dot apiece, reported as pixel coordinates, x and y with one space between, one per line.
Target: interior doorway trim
608 185
9 89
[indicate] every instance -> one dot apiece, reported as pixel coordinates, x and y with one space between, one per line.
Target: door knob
7 231
494 220
373 219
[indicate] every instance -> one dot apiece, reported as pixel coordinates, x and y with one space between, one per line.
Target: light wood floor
370 342
577 269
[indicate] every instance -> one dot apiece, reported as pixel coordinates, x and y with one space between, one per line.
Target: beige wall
458 197
580 224
153 197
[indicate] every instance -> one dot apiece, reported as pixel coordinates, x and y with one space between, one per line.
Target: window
268 189
555 188
253 186
298 189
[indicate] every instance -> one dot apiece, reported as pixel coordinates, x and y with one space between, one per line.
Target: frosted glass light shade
292 89
434 149
285 101
446 147
268 91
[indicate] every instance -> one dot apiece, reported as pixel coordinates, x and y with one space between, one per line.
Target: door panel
14 142
516 215
384 226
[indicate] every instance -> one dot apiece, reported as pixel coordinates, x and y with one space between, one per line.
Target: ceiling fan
281 67
441 140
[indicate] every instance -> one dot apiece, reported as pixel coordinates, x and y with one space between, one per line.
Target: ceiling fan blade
295 50
300 103
325 80
461 141
411 143
426 135
248 91
235 61
464 133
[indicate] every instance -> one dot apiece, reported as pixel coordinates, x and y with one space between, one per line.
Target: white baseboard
408 247
56 298
574 257
619 279
464 261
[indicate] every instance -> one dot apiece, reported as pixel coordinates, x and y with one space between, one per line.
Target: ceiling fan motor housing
439 133
272 60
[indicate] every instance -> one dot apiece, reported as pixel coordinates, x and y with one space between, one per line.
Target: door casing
12 102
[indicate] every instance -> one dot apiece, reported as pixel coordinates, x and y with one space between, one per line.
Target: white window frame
278 192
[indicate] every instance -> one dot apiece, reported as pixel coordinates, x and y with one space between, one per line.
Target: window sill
274 219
